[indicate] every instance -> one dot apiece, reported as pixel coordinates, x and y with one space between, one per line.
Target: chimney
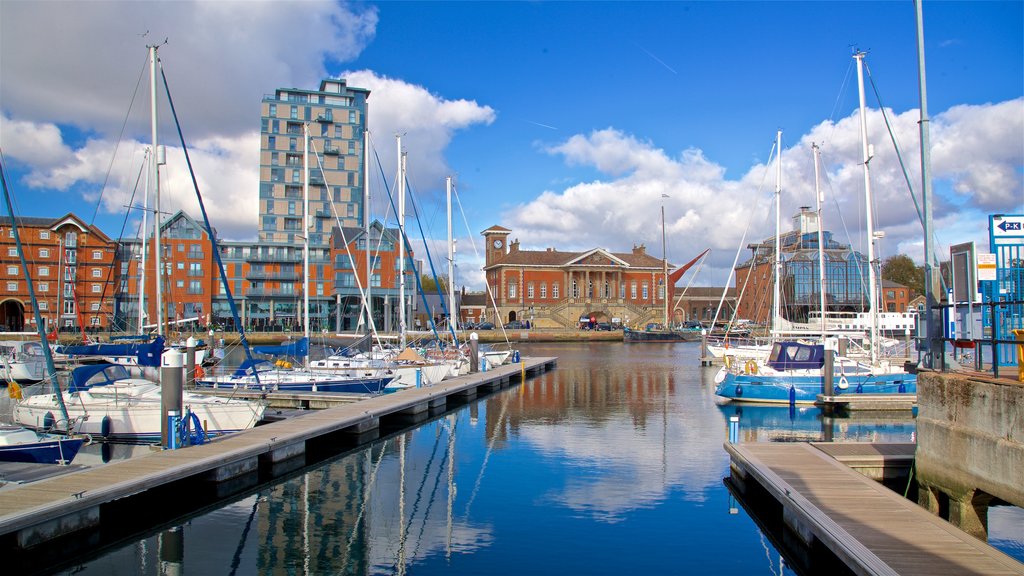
514 246
639 250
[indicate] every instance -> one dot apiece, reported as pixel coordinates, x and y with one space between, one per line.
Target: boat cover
148 353
298 349
796 356
89 375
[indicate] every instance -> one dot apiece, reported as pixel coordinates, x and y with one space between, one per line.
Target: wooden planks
871 528
28 505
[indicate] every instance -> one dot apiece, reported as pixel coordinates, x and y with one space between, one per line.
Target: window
295 113
272 110
94 321
645 292
180 265
375 280
632 290
272 143
97 288
44 252
12 251
71 240
179 283
622 290
351 116
12 286
554 290
195 286
44 286
44 306
511 289
12 270
195 269
95 306
97 255
529 290
44 270
97 273
69 308
543 290
44 234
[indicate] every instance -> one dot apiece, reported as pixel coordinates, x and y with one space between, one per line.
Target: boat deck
870 528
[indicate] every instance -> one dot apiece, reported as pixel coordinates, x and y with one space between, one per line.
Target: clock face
497 243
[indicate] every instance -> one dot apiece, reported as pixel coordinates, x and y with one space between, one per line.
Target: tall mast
401 242
452 312
142 255
664 260
933 343
155 175
776 297
305 230
866 152
819 197
367 301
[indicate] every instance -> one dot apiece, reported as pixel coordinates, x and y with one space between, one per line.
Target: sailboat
665 332
794 371
283 376
104 399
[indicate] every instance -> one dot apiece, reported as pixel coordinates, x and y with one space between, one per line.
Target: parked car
603 326
515 325
484 326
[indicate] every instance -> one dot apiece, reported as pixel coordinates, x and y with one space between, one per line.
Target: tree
431 287
902 270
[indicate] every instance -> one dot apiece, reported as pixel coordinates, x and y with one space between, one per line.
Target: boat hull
804 389
54 450
373 385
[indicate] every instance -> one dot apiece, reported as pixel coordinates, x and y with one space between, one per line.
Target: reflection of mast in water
487 454
401 504
358 521
451 484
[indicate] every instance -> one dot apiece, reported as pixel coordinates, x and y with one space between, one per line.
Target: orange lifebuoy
199 373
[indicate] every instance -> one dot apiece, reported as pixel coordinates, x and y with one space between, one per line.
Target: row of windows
605 293
12 286
69 255
327 146
307 111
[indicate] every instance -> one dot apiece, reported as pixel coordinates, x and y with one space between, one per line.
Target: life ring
751 367
199 373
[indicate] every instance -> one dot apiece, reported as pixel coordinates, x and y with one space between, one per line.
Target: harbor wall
970 446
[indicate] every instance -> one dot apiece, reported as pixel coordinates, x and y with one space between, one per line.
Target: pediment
598 257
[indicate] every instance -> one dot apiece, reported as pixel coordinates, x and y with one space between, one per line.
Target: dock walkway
34 513
870 528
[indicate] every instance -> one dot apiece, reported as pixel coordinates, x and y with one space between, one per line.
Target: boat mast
51 371
142 255
155 175
819 197
401 242
933 343
305 232
776 299
452 315
664 261
867 153
367 302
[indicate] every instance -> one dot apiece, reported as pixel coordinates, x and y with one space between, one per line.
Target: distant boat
18 444
22 362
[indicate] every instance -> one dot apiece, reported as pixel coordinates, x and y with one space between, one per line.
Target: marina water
612 463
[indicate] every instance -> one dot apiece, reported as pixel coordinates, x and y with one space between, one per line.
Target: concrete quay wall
970 445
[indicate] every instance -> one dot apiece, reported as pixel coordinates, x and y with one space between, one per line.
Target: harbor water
612 463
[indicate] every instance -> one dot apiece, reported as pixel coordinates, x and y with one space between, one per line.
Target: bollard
170 386
828 370
734 429
190 363
474 352
419 377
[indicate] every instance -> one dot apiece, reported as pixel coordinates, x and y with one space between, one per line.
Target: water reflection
611 463
764 423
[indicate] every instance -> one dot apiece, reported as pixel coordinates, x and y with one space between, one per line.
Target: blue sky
566 122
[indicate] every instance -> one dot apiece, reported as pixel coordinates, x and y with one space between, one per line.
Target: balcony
276 276
325 119
276 257
332 151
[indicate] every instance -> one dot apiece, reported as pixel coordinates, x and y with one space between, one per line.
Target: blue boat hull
360 385
56 451
805 389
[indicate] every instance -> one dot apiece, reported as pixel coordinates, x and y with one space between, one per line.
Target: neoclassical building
557 289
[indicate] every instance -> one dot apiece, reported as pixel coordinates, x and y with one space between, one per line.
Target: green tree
430 286
902 270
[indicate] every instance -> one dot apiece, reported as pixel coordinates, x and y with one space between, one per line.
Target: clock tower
496 238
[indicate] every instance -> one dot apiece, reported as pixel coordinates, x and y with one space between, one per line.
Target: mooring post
828 370
170 388
190 363
474 352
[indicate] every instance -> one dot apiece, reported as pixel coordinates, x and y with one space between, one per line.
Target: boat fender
843 383
105 426
48 421
720 375
860 388
903 387
751 366
739 390
728 361
88 440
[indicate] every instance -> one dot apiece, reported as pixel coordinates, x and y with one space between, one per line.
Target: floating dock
47 510
868 527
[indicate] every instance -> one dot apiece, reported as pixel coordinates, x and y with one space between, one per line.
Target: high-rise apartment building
335 116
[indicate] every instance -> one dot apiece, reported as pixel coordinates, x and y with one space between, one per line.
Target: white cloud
226 52
977 152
